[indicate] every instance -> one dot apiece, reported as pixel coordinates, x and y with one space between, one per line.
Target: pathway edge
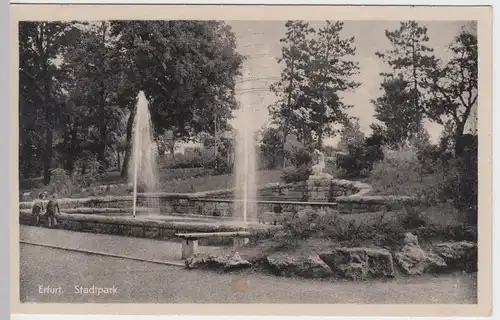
99 253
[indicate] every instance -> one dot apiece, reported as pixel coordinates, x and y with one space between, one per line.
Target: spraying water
246 164
143 170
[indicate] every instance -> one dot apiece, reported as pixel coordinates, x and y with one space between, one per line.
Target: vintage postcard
251 160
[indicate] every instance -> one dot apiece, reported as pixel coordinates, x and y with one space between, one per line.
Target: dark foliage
301 157
461 178
361 157
296 174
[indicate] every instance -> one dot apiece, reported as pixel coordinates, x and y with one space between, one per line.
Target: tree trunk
320 139
102 108
459 132
69 164
101 157
47 156
126 158
172 150
321 124
288 111
415 89
118 165
415 101
27 158
49 127
70 144
283 143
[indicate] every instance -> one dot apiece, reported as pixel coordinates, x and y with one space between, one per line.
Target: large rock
414 260
216 262
359 263
236 262
310 266
458 255
410 239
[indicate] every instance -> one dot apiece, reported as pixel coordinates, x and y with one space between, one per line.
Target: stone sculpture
318 170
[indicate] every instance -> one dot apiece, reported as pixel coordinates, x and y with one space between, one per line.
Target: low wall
189 205
143 228
360 203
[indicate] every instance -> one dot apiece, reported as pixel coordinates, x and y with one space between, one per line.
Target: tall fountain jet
245 163
143 169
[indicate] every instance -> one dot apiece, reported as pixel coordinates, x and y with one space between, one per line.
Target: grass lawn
188 185
224 181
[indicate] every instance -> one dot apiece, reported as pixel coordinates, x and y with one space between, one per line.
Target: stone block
359 263
459 255
307 266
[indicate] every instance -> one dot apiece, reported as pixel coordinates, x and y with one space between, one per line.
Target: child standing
52 206
38 208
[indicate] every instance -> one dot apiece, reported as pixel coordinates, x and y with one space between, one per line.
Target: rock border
358 263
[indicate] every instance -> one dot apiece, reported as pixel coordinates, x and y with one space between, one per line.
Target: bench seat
190 240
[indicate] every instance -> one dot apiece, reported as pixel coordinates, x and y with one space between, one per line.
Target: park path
144 249
141 282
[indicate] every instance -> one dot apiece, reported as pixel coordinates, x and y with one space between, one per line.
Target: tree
40 44
412 62
329 73
455 85
72 134
361 156
187 70
395 110
421 140
272 147
351 134
97 80
318 67
289 88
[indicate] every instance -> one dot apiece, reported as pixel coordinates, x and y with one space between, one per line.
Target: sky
260 41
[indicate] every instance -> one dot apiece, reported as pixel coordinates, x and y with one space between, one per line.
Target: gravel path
148 249
142 282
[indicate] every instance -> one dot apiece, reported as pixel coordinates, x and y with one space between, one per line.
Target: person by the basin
38 208
52 206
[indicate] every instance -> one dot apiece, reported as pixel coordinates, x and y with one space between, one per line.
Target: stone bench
190 240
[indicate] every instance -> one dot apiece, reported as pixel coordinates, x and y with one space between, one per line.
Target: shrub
461 182
361 157
334 226
432 157
221 166
61 183
200 158
350 163
190 160
412 218
301 157
457 179
311 223
185 173
301 169
397 174
296 174
92 173
301 225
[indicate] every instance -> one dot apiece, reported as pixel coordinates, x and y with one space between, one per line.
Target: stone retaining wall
142 228
171 203
342 196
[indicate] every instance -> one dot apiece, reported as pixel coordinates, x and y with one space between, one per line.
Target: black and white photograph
207 161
